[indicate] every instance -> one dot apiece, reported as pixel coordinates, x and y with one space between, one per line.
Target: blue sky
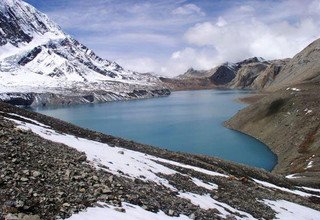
168 37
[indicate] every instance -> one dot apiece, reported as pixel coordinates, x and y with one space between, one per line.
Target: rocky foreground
51 169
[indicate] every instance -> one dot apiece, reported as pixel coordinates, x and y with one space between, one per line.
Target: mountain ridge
37 56
256 73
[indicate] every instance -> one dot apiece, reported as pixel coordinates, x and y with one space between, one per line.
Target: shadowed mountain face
223 75
36 55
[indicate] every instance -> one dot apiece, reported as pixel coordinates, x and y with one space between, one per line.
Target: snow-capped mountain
37 56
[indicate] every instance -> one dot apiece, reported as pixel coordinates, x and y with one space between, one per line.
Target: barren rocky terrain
288 122
43 179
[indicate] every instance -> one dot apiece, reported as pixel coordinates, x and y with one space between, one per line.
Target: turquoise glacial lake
186 121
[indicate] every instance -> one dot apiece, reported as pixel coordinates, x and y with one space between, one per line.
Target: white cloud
239 40
140 64
169 37
221 22
176 64
211 44
188 57
188 9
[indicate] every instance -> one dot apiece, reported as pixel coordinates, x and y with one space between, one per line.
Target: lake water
187 121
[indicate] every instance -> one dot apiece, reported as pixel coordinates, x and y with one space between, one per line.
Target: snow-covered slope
36 56
216 194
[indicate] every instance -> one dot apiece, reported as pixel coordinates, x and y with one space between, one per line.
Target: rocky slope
37 57
287 118
52 169
288 122
303 67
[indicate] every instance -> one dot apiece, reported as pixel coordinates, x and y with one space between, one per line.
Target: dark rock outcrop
30 56
223 75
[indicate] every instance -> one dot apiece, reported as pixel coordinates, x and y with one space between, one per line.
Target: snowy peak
36 54
21 22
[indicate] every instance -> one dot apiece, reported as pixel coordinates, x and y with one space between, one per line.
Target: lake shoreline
237 185
275 120
8 110
186 121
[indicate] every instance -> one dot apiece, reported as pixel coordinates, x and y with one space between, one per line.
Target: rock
26 172
11 217
19 204
82 158
36 173
120 209
97 192
106 190
67 174
110 179
66 204
192 216
24 179
231 217
120 152
31 217
171 212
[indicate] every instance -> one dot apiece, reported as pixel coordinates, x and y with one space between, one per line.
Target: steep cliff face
223 74
265 78
247 74
36 56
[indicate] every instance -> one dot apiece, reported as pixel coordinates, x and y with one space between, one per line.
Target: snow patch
29 119
292 176
132 212
206 202
307 111
296 192
209 186
198 169
310 164
294 89
289 210
311 189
